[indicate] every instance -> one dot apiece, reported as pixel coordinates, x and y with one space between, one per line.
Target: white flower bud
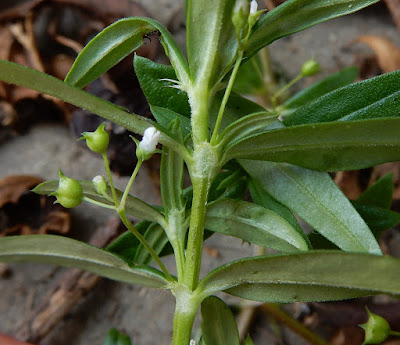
253 7
150 140
243 6
147 146
100 184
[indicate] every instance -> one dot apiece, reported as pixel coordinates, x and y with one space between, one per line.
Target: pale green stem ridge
122 203
228 91
110 180
143 241
112 207
201 188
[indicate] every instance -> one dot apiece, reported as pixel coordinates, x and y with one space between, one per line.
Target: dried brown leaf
394 8
12 187
387 54
23 212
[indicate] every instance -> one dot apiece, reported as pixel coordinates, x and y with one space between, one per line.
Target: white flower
150 140
253 7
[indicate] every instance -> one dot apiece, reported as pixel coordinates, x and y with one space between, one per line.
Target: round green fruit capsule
98 140
377 329
69 192
310 68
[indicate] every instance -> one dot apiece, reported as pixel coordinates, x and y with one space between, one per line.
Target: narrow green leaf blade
380 194
57 250
318 200
171 175
211 40
331 146
218 323
157 239
262 198
254 224
309 276
24 76
296 15
372 98
247 125
116 42
134 206
378 219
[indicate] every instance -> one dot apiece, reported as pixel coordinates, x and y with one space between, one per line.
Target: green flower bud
98 140
240 17
310 68
376 329
69 192
100 184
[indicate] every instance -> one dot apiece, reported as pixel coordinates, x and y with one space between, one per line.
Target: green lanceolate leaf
211 40
310 276
325 146
218 323
247 125
156 238
318 200
171 175
380 194
262 198
159 91
321 87
57 250
254 224
165 116
372 98
115 337
134 206
378 219
23 76
296 15
116 42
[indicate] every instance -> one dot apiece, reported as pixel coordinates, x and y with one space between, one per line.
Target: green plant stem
110 180
143 241
228 91
275 97
276 312
196 230
396 334
98 203
186 308
122 203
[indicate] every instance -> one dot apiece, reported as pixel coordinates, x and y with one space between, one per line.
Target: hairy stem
196 230
110 180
